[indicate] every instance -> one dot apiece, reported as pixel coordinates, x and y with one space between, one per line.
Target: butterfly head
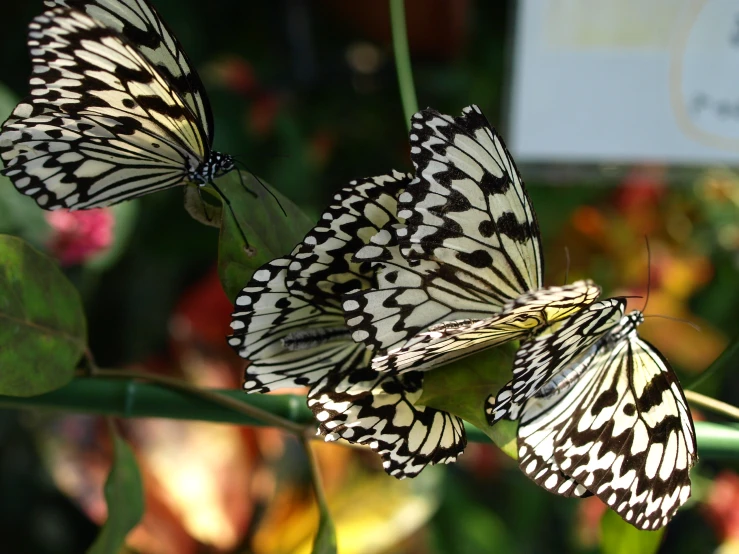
626 326
215 165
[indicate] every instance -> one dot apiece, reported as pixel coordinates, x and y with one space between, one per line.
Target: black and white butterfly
602 412
464 271
115 111
289 324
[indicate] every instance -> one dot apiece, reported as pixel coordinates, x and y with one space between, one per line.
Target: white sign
604 81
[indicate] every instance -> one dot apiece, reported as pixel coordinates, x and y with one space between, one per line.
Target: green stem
712 404
325 540
130 398
403 60
717 364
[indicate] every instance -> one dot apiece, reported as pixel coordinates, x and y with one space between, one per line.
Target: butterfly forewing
107 119
463 269
446 342
142 26
469 208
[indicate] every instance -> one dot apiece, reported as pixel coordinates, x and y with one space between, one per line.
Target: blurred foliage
41 317
305 95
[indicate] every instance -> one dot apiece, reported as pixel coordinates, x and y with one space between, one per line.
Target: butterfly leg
230 208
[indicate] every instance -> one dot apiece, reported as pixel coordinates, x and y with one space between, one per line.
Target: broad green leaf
270 231
124 494
462 387
42 324
619 537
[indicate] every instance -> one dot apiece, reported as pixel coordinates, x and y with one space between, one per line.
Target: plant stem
212 396
717 364
712 404
325 540
403 60
132 398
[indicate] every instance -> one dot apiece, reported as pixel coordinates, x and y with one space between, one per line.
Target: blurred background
624 117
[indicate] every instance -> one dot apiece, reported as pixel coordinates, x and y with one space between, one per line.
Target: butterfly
116 110
463 271
289 324
601 412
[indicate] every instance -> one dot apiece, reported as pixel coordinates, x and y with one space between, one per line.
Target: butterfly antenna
261 183
649 273
679 320
230 208
567 266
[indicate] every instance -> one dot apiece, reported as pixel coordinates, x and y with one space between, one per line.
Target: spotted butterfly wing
288 322
102 123
612 418
141 25
464 271
379 410
539 360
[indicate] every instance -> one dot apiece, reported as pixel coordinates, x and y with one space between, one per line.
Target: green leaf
619 537
124 494
270 231
462 387
325 541
42 324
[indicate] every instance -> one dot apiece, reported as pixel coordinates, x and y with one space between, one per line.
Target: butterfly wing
620 428
322 267
469 249
379 410
94 91
547 355
453 340
84 161
469 209
141 25
287 320
408 296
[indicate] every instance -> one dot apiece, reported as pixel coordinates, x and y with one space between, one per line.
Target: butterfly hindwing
84 161
379 410
271 329
288 322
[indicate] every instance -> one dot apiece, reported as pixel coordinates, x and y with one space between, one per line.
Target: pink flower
80 235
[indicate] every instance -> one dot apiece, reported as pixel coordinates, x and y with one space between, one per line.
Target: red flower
80 235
